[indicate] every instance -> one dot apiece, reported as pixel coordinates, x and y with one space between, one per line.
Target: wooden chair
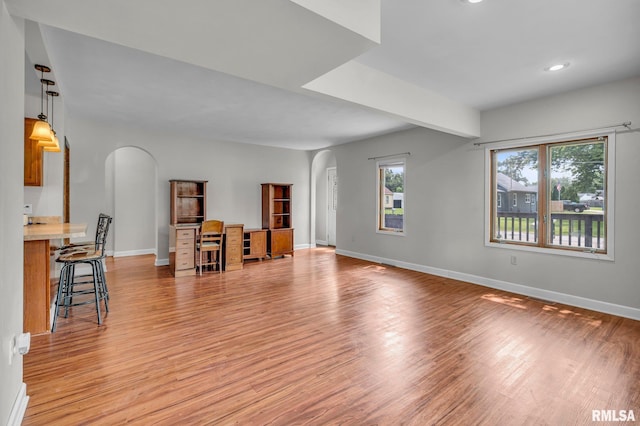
210 242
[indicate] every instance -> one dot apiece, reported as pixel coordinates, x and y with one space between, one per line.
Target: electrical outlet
28 209
514 260
19 345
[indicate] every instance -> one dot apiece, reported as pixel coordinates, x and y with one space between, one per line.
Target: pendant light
48 142
41 129
55 147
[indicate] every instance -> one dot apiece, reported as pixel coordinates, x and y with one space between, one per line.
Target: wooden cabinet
36 290
234 236
280 242
182 249
33 156
188 201
255 244
277 218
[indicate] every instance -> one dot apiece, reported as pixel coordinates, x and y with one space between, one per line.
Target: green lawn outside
518 224
394 211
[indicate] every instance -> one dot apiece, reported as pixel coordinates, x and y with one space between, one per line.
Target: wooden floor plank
326 339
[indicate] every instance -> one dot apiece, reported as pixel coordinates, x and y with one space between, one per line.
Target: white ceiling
213 86
493 53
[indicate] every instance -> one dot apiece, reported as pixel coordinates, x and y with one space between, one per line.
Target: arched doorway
323 198
131 187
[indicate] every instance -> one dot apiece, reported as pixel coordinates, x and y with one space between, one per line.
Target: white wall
445 203
234 172
11 198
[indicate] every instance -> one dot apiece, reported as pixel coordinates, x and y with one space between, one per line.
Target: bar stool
86 245
80 290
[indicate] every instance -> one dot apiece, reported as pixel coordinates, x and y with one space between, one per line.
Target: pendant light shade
41 133
56 145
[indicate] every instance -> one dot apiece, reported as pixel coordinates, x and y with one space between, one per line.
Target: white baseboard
302 246
552 296
127 253
322 243
162 262
19 407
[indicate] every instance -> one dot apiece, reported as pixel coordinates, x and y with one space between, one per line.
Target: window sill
396 233
586 254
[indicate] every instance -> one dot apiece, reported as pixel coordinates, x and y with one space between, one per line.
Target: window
567 190
391 200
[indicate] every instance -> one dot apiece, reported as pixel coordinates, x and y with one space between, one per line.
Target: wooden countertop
53 231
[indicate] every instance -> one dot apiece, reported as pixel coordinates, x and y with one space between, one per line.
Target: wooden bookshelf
188 201
277 218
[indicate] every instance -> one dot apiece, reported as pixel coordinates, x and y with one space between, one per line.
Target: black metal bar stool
81 290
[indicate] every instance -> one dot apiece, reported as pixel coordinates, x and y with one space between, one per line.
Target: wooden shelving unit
255 244
277 218
188 201
188 211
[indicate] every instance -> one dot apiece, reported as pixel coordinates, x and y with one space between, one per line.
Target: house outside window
391 196
566 205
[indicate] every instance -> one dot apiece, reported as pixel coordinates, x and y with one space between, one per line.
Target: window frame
386 163
610 174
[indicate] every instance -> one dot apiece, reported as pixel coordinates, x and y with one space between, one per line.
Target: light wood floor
324 339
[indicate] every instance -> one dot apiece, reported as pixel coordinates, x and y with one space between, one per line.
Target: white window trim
610 199
391 162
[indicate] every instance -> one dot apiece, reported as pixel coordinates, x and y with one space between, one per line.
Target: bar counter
37 297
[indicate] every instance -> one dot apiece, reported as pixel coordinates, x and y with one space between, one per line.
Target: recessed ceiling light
557 67
471 1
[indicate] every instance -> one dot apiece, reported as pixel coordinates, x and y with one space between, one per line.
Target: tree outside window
391 196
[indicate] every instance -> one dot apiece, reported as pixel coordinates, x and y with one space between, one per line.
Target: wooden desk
183 239
36 297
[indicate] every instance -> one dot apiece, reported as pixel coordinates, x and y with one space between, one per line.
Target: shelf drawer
185 234
185 259
234 251
184 244
234 235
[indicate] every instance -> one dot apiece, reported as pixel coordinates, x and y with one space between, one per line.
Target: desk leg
36 297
